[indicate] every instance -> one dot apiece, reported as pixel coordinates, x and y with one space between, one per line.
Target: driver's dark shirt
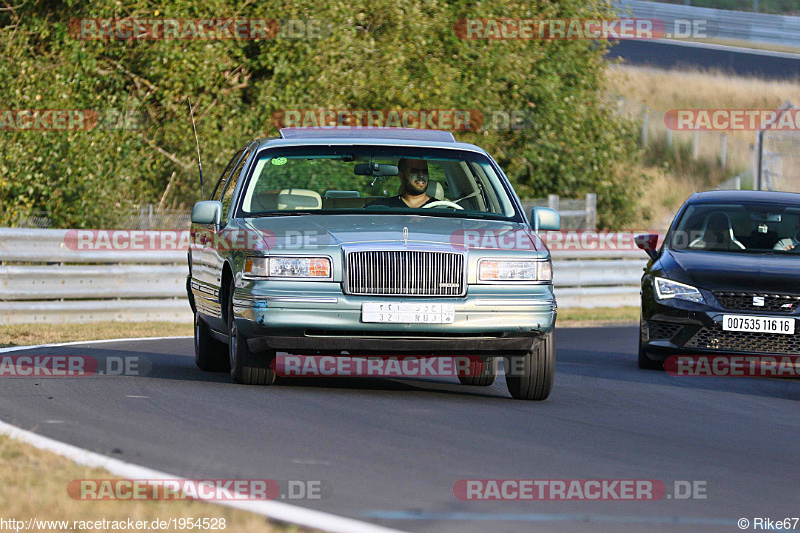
395 201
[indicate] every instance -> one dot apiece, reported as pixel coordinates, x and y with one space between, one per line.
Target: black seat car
726 279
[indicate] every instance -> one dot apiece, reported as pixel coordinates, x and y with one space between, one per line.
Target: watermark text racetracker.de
114 240
199 489
70 366
507 28
578 489
777 366
438 119
209 29
732 119
409 366
71 119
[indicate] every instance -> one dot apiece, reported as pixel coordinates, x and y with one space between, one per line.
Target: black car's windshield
375 181
738 228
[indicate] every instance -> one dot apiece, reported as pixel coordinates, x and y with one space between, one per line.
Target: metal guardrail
721 23
57 284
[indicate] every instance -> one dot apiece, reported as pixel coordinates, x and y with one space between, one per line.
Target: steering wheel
438 203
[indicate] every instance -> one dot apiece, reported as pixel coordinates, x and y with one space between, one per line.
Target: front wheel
247 368
530 376
645 363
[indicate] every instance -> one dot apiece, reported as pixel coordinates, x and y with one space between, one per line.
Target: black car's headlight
667 289
287 267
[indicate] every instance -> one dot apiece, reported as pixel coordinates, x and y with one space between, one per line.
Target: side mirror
648 243
545 219
207 212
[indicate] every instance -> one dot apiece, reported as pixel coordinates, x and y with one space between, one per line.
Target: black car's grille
738 341
663 330
743 301
405 272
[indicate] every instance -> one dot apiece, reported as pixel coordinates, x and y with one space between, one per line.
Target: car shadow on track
622 366
122 363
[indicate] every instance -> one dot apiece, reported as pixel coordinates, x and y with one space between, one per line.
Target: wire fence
780 155
731 153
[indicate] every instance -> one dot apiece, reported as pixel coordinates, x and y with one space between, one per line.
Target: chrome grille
405 272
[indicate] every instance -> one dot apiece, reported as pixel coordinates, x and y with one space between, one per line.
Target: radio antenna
197 142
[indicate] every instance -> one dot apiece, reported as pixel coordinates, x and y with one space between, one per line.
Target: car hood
734 271
346 229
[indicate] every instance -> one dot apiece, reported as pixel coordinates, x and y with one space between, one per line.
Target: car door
203 281
220 248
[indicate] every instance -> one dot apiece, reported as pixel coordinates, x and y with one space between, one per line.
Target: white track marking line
76 343
280 511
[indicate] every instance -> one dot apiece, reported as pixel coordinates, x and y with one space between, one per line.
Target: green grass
598 316
27 334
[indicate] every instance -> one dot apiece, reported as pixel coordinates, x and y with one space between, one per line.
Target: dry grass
672 171
26 334
664 90
35 486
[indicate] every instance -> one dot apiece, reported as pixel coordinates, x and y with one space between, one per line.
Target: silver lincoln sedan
371 241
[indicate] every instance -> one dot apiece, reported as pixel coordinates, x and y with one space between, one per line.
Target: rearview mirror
374 169
648 243
207 212
545 219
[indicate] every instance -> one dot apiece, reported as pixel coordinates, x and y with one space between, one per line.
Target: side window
230 185
224 176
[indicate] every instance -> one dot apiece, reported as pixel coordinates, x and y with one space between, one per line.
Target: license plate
408 313
758 324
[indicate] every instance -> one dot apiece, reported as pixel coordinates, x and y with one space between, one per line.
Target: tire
210 355
480 373
645 363
246 367
530 376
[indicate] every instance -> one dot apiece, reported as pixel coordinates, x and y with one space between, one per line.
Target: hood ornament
405 235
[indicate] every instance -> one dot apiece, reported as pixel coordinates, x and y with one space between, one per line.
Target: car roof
345 135
745 196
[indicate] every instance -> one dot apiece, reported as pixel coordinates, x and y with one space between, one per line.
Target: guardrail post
591 210
723 156
552 201
696 145
759 158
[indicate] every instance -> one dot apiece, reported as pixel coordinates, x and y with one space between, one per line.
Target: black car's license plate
758 324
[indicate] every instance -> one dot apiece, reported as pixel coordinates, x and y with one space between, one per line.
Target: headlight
287 267
666 289
503 270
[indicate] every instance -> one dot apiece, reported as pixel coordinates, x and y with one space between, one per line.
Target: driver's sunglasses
418 172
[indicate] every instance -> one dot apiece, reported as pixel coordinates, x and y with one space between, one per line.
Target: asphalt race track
668 54
392 449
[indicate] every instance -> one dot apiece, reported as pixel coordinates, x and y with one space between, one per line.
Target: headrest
294 199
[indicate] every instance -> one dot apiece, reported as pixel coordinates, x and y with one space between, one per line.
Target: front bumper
687 328
490 320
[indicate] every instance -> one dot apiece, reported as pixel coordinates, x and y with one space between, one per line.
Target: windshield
346 179
738 228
